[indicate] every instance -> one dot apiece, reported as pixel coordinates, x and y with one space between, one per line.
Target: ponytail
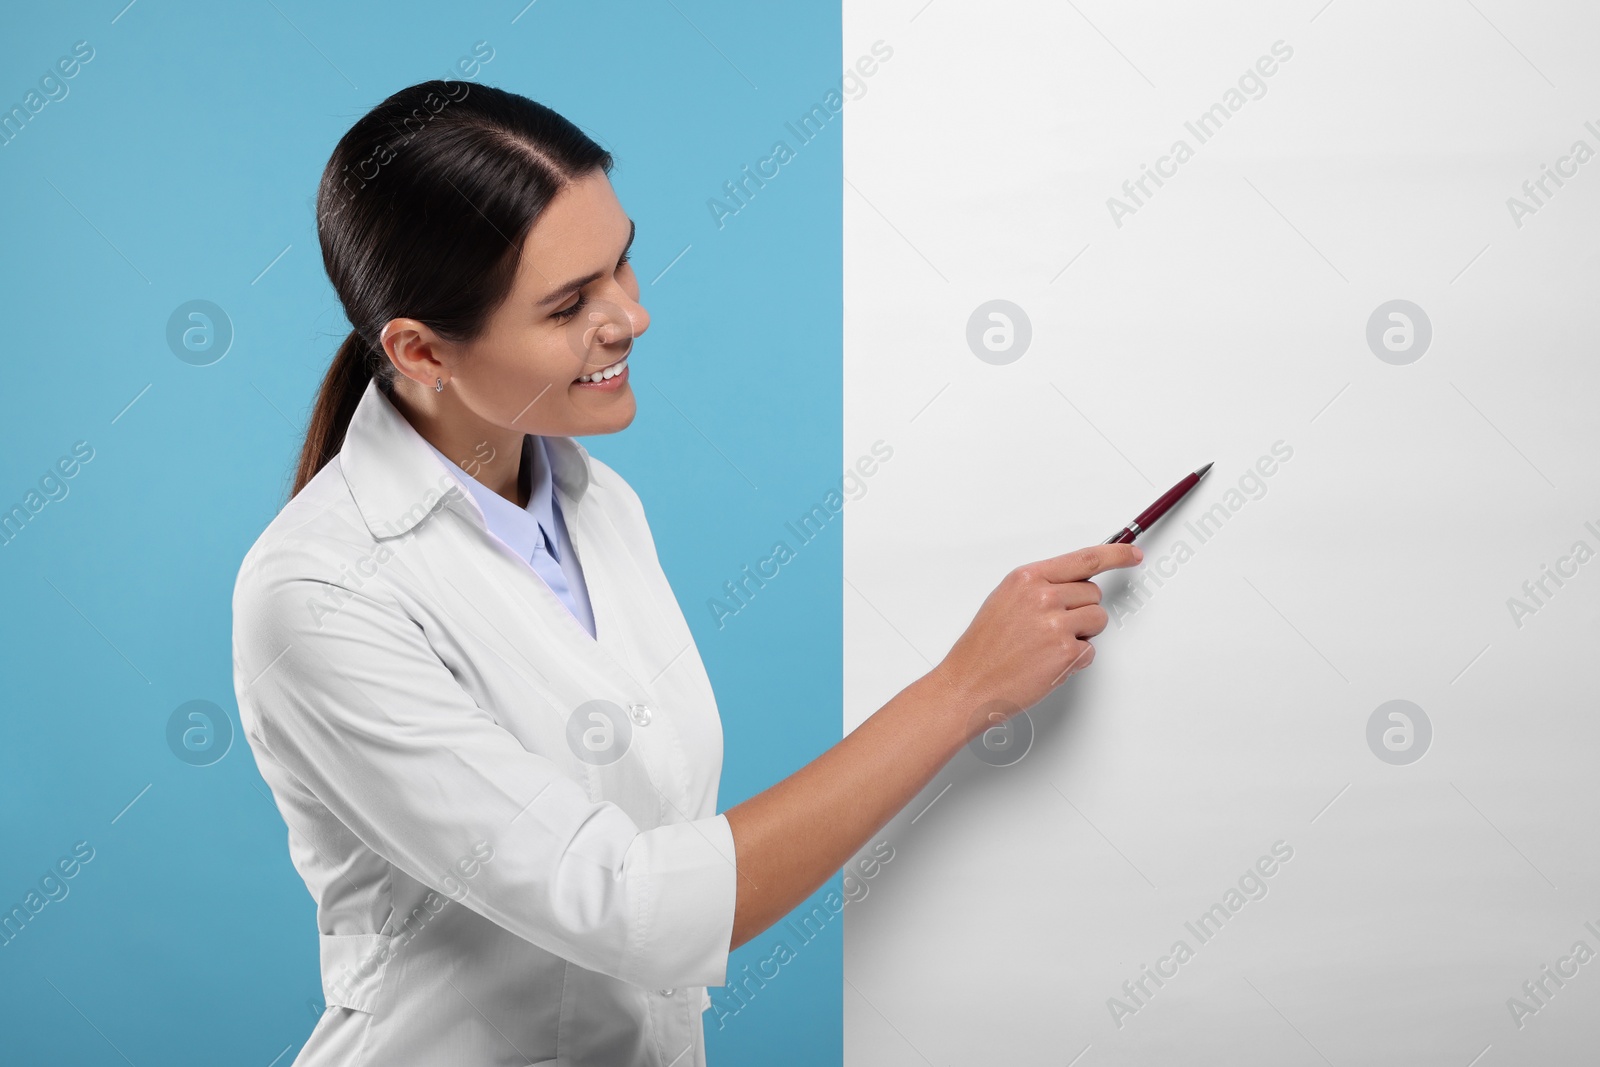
352 368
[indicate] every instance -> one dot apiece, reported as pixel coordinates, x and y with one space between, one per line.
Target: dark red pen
1162 505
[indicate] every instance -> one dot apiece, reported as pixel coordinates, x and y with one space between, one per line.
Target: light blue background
182 161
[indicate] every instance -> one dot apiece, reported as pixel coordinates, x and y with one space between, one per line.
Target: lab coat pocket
353 969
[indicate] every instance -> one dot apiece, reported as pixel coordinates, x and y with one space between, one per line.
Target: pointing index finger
1085 563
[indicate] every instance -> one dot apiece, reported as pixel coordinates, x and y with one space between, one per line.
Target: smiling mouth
605 373
610 370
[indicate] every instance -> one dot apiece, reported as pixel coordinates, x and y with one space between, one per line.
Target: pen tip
1201 473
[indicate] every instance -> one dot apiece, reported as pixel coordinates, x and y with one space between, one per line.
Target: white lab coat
489 890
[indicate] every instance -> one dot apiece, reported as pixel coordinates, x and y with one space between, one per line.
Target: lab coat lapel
485 602
397 481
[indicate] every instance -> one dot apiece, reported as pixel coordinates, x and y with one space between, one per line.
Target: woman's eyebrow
579 283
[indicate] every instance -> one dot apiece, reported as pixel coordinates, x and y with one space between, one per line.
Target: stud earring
438 385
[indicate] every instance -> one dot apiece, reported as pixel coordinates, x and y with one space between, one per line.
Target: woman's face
572 312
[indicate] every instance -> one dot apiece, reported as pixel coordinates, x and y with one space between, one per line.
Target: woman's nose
615 323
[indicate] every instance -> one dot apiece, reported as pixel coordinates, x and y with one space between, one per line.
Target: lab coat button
640 714
666 992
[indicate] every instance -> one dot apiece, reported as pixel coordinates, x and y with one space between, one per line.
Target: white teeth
610 372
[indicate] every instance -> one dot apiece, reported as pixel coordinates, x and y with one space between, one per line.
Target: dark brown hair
422 212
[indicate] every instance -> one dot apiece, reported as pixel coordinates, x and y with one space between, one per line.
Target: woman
462 671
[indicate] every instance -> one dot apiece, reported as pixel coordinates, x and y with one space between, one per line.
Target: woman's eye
567 313
578 305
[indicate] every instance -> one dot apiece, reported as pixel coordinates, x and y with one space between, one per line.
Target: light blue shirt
536 533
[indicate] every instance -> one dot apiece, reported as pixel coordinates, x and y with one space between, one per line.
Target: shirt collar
518 527
398 478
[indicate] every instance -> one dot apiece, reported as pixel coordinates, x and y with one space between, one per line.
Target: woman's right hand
1031 633
1027 637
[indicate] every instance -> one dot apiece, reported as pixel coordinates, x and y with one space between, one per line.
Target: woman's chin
615 412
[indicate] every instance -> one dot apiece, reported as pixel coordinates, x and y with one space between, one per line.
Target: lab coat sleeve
360 709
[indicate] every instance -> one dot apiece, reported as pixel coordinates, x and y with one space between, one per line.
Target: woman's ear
416 351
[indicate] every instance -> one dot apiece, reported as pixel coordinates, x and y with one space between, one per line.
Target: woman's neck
491 454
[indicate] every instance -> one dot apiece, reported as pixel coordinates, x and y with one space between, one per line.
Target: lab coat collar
398 480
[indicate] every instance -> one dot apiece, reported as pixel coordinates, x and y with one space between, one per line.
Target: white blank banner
1329 792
